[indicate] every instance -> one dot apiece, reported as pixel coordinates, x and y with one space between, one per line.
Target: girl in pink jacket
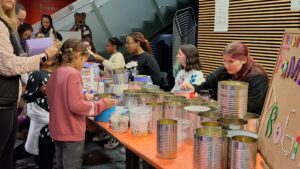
69 107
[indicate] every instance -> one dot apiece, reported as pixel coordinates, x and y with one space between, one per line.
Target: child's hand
186 86
109 102
98 57
88 96
43 90
40 35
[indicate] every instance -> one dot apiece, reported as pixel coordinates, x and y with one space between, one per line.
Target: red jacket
68 109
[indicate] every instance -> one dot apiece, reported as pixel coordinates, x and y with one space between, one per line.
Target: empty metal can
211 124
210 148
233 133
136 85
159 94
108 85
119 76
156 113
174 98
130 97
208 116
149 87
173 109
99 96
232 98
253 122
166 138
191 113
233 123
145 98
194 101
243 152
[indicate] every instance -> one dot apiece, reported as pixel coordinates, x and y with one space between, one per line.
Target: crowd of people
53 88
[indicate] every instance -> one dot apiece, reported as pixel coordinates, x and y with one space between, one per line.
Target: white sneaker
122 151
21 164
111 143
102 136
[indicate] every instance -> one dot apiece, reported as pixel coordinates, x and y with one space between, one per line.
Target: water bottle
135 71
130 76
150 82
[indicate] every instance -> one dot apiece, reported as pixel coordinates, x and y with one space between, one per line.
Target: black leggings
8 135
46 155
46 149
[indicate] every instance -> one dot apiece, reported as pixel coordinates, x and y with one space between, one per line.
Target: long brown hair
44 31
68 50
240 51
9 17
144 43
192 57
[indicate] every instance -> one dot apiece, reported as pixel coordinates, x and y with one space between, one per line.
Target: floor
95 157
98 157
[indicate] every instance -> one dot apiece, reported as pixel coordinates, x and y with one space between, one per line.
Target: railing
73 10
184 32
105 22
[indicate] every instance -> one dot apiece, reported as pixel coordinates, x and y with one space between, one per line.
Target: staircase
108 18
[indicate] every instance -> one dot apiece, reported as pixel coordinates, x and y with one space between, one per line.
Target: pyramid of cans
217 130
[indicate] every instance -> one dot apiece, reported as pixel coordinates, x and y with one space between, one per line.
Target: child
188 58
68 106
116 60
38 111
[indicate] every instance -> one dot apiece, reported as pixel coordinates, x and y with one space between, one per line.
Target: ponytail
147 47
69 49
115 41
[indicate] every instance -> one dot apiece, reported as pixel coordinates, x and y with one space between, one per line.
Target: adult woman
10 69
139 47
238 65
116 59
47 28
188 58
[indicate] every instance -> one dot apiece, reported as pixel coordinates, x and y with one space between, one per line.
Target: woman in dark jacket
137 45
238 66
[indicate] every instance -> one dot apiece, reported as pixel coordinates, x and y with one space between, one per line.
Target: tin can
167 138
243 152
233 98
156 113
253 122
210 148
233 123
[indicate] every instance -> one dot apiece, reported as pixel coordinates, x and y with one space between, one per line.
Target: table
145 148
